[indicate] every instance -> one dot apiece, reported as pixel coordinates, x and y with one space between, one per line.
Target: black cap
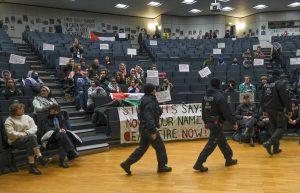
276 73
148 88
215 83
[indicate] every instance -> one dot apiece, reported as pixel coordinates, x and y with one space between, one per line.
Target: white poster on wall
294 61
217 51
131 52
63 61
16 59
221 45
49 47
104 46
258 62
184 67
178 122
153 42
204 72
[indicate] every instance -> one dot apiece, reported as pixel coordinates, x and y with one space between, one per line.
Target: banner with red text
178 122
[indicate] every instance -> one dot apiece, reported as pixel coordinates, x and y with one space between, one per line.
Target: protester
11 91
33 81
95 90
44 101
246 86
76 49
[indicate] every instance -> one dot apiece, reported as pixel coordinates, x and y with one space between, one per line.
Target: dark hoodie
214 106
149 114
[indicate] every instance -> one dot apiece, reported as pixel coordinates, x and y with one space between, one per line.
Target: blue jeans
80 100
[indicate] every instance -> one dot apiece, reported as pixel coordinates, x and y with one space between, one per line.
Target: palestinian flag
132 98
96 36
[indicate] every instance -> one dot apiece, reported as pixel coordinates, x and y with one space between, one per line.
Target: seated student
246 86
294 121
76 49
209 62
55 133
76 72
21 132
134 87
230 86
247 63
167 85
94 68
94 91
263 82
221 62
81 85
83 65
258 53
11 91
108 65
5 76
44 101
119 78
123 72
245 115
33 81
67 69
235 62
114 87
103 78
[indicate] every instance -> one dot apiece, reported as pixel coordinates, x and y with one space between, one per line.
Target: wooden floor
256 172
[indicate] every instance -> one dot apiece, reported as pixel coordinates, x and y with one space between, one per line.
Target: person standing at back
149 114
275 103
214 113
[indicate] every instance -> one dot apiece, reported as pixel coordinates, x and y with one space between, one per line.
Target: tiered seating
6 44
62 42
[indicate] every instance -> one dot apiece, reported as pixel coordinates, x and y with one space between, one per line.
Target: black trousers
216 138
249 123
278 122
63 142
144 144
29 143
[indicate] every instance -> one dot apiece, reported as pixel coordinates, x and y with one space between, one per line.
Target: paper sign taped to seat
16 59
63 61
258 62
184 67
49 47
204 72
131 52
217 51
104 46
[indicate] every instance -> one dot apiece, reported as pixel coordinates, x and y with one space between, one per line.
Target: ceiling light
296 4
154 4
195 11
121 6
189 2
224 0
227 8
260 6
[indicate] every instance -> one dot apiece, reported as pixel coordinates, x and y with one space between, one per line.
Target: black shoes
164 169
251 142
277 151
43 161
268 146
72 155
231 162
32 169
64 165
200 168
126 168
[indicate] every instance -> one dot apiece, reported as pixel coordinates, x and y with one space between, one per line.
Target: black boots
32 169
251 142
72 155
200 168
63 164
43 161
126 168
277 151
164 169
267 145
231 162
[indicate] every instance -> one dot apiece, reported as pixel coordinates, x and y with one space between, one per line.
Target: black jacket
214 106
245 110
275 97
15 94
149 113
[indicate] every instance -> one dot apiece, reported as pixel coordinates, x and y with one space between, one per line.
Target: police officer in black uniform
149 114
215 112
276 105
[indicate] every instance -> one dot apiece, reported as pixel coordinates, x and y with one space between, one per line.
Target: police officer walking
149 114
214 113
275 103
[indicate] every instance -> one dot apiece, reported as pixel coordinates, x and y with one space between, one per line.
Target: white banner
163 96
153 42
152 73
178 122
258 62
122 35
16 59
107 39
204 72
217 51
294 61
49 47
131 52
184 67
221 45
298 52
63 61
104 46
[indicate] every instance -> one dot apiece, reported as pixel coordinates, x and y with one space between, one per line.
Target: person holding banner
215 112
275 103
149 114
